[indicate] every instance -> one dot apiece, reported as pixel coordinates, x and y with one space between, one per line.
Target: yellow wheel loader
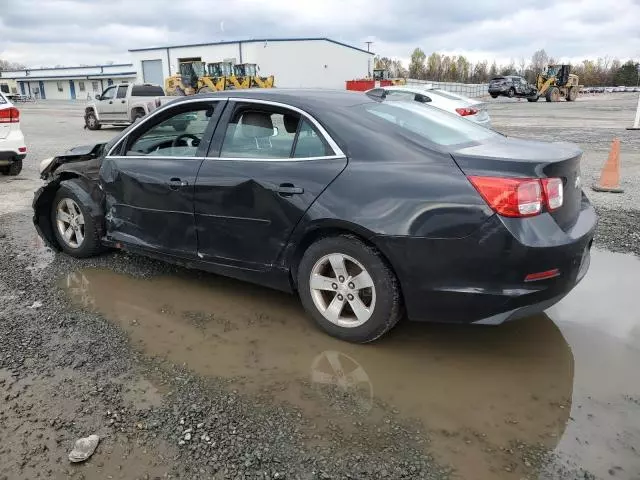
216 78
186 81
557 82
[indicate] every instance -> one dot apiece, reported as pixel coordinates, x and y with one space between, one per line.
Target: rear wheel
12 170
494 95
511 93
349 290
73 225
533 99
573 94
138 114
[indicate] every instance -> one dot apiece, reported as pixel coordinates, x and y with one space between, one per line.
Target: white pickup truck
123 104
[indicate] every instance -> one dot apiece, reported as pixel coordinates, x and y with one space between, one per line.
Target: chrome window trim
235 159
147 118
337 151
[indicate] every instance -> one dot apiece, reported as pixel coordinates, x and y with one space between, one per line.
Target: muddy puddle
566 381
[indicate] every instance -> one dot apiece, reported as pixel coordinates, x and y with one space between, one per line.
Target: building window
95 86
59 84
81 86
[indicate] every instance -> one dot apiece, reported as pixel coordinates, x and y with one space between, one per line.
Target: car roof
314 99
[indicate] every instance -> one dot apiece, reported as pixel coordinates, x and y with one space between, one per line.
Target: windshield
437 126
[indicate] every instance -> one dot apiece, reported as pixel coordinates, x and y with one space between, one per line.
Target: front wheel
533 99
511 93
348 288
74 227
91 121
494 95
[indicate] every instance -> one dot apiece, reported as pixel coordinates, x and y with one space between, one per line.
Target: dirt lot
188 375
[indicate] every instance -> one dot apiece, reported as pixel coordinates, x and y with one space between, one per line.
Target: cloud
71 32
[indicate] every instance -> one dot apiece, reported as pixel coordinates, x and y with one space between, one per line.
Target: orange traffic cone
610 175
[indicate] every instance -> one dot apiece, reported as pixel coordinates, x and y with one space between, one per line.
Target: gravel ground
66 372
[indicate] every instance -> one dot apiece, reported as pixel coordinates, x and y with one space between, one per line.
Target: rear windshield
437 126
147 91
498 79
449 95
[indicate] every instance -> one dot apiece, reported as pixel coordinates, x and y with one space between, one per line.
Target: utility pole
369 59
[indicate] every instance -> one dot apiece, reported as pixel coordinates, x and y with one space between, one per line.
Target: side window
309 143
177 135
253 133
122 91
376 92
109 93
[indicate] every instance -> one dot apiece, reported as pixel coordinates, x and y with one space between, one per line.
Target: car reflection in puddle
477 393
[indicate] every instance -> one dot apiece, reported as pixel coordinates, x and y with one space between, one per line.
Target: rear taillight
9 115
519 197
466 111
553 192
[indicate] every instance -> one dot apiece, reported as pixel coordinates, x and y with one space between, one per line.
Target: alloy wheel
342 290
70 222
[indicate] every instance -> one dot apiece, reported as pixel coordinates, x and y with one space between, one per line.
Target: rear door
267 164
148 179
120 107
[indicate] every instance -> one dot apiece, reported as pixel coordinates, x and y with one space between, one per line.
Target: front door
149 178
266 166
72 90
42 94
105 104
119 106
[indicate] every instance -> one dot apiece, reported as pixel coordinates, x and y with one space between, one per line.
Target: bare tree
539 60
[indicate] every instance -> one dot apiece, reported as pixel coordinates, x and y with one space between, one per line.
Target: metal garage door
152 71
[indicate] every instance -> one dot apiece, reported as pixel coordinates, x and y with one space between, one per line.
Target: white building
66 82
295 62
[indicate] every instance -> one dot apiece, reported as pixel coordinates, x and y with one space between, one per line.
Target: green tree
434 65
627 74
416 67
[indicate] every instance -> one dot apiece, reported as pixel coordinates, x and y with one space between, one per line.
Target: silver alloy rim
70 222
342 290
92 121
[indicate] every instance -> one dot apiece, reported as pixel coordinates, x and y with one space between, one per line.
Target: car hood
80 154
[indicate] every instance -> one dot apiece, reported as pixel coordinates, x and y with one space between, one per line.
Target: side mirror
98 97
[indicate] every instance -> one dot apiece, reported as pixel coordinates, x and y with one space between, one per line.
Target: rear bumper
7 157
480 278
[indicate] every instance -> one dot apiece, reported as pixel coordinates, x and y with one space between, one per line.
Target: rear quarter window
2 99
432 124
147 91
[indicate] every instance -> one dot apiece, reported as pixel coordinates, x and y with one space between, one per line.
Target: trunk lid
516 158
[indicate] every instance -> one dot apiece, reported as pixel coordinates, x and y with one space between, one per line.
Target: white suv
12 147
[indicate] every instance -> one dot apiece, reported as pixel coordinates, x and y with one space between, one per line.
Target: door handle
176 183
289 189
110 102
123 101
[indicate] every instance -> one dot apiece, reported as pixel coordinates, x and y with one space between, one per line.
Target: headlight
45 163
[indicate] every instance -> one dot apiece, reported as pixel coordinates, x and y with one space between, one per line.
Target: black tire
138 114
91 121
91 245
494 95
12 170
388 307
572 95
533 99
553 94
511 93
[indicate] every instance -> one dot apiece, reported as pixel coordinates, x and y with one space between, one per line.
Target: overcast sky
72 32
